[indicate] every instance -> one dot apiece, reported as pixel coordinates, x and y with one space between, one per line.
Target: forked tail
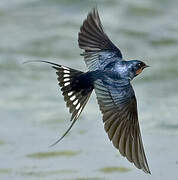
76 88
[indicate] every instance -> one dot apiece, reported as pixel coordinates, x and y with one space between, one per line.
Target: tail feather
74 96
75 116
75 90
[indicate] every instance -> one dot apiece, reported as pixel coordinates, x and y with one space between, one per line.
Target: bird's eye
139 65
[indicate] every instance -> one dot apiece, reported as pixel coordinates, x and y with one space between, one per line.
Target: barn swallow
110 77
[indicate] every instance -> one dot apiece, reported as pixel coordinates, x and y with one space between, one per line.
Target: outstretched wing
99 50
119 108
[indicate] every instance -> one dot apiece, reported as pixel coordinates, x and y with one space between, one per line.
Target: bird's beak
145 66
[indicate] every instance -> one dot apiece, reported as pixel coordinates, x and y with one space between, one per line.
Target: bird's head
136 67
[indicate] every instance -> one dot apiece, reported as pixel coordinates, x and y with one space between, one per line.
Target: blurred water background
32 111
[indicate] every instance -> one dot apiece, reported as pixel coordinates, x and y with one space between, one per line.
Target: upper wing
119 108
96 43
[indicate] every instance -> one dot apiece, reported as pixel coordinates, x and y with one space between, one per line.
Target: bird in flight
110 77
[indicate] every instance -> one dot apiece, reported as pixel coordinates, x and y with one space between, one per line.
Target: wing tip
92 37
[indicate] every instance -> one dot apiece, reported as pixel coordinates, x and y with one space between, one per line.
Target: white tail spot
66 75
79 111
65 71
66 84
65 67
66 79
73 97
75 102
70 93
78 106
